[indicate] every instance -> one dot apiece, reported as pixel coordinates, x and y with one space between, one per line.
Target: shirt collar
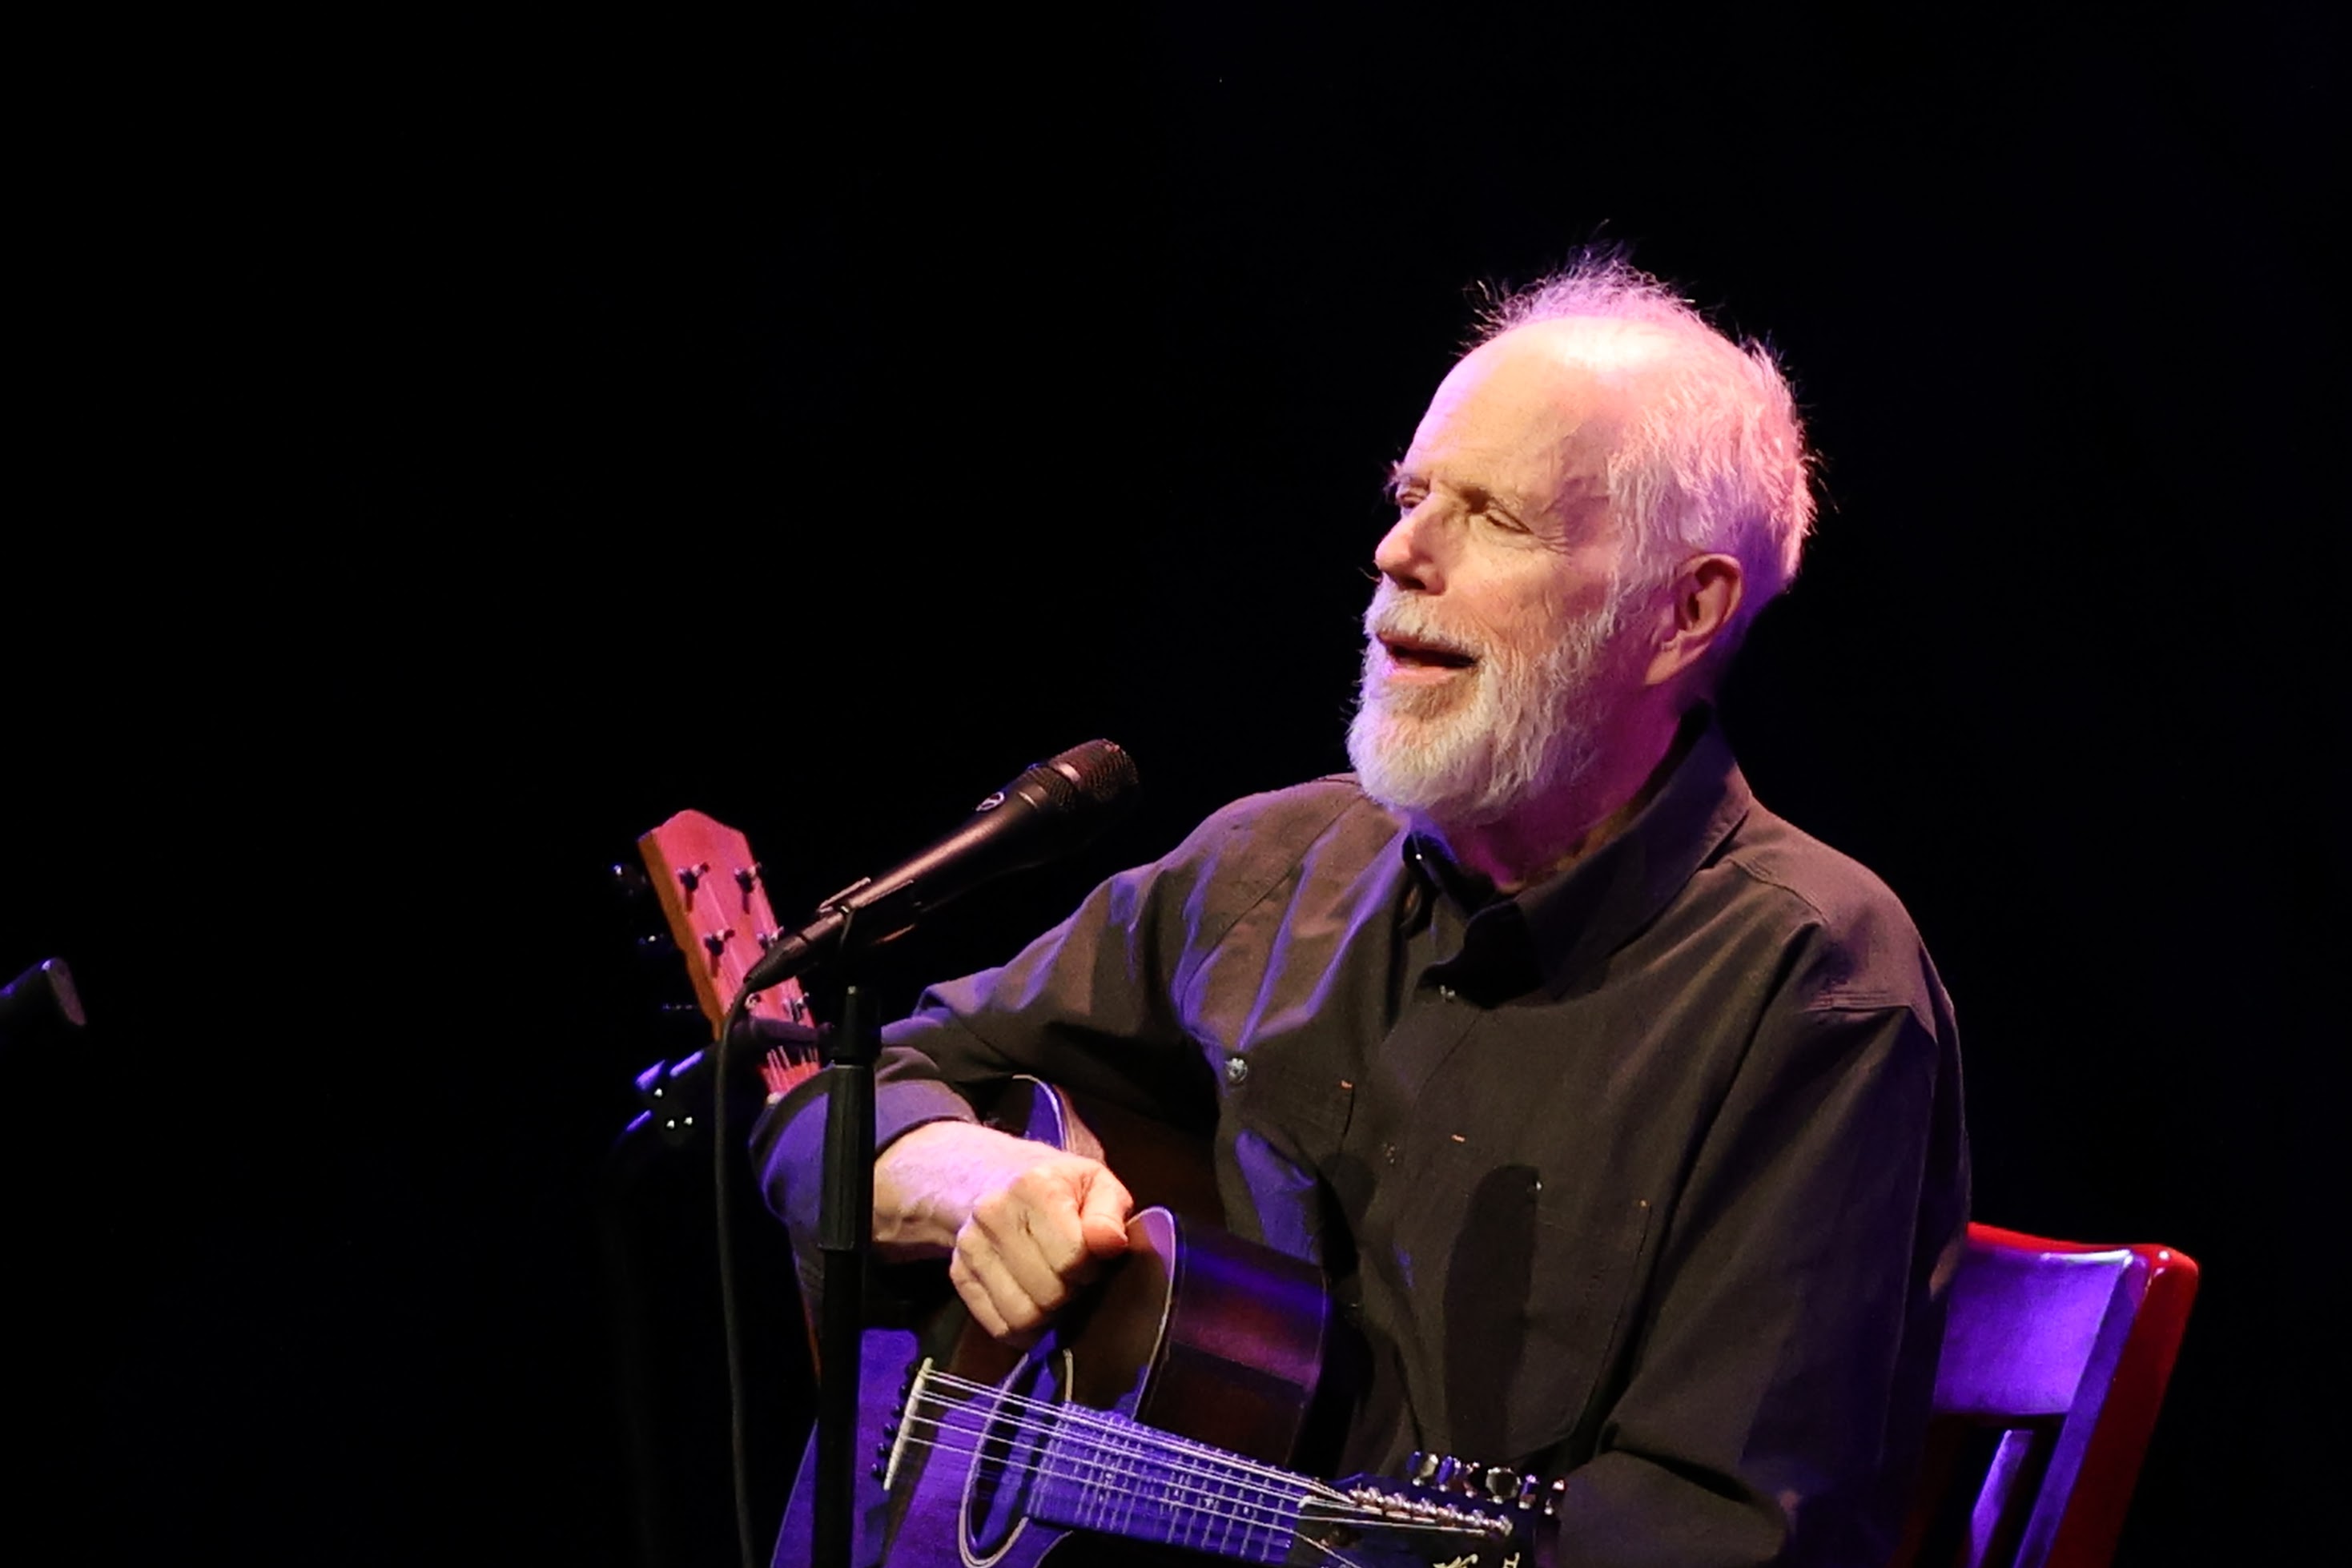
1576 918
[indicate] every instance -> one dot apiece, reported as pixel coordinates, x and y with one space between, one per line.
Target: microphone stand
845 1240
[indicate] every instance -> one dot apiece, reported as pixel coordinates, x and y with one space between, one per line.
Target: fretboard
1104 1473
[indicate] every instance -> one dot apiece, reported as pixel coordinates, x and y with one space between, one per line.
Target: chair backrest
2055 1360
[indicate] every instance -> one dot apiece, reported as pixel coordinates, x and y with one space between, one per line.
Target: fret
1104 1473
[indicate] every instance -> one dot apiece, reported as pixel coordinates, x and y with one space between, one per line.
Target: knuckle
973 1249
1001 1207
1032 1183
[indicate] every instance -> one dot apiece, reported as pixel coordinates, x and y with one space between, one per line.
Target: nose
1406 556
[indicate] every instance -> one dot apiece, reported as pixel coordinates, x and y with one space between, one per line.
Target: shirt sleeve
1780 1380
1086 1006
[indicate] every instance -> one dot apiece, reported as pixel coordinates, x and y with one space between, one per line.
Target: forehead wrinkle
1522 464
1558 490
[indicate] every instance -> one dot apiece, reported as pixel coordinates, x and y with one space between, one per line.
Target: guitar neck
1106 1474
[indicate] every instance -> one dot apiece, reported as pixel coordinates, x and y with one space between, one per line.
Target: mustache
1394 616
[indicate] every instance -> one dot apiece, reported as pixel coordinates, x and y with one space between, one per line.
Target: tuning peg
1554 1498
1531 1489
1502 1484
748 878
1462 1476
1448 1467
1421 1468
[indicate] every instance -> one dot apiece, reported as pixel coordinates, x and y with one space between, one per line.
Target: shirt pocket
1587 1254
1281 1126
1294 1102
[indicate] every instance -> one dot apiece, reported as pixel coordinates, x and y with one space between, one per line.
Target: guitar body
1191 1331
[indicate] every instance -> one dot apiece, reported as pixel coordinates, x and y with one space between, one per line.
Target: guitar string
1288 1536
1043 1416
994 1453
1086 1415
1331 1507
1309 1511
1047 1416
1280 1532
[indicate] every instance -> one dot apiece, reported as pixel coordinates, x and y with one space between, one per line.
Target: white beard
1529 727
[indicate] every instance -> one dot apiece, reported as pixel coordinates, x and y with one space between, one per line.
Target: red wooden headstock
710 892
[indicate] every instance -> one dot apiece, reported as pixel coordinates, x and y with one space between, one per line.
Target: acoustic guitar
1153 1421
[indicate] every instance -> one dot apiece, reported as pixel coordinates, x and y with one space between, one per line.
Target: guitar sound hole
1005 1435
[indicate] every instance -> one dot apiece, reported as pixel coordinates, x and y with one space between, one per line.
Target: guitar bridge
895 1449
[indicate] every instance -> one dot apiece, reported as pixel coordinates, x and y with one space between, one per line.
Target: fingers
1033 1240
1102 1214
994 1304
1023 1224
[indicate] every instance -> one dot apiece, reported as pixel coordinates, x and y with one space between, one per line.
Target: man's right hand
1022 1222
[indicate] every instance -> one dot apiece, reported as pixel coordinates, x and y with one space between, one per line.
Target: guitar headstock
710 892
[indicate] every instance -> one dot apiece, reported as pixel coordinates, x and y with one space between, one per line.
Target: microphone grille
1104 773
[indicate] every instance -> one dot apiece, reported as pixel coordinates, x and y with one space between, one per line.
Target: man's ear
1696 613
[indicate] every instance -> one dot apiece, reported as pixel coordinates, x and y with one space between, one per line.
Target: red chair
2055 1357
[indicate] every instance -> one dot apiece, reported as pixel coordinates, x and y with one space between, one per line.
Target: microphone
1057 806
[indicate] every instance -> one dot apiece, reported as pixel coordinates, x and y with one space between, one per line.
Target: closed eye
1484 505
1404 491
1407 490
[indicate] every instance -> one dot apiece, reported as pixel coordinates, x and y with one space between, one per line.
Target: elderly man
1623 1118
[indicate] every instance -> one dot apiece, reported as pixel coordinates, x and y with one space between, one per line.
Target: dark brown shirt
1650 1177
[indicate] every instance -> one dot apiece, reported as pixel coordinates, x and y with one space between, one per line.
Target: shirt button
1236 1071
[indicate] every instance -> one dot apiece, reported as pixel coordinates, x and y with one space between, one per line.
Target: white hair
1715 460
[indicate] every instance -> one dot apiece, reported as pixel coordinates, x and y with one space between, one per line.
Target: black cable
738 1436
739 1445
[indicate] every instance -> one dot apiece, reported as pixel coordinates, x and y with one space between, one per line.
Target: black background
446 449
